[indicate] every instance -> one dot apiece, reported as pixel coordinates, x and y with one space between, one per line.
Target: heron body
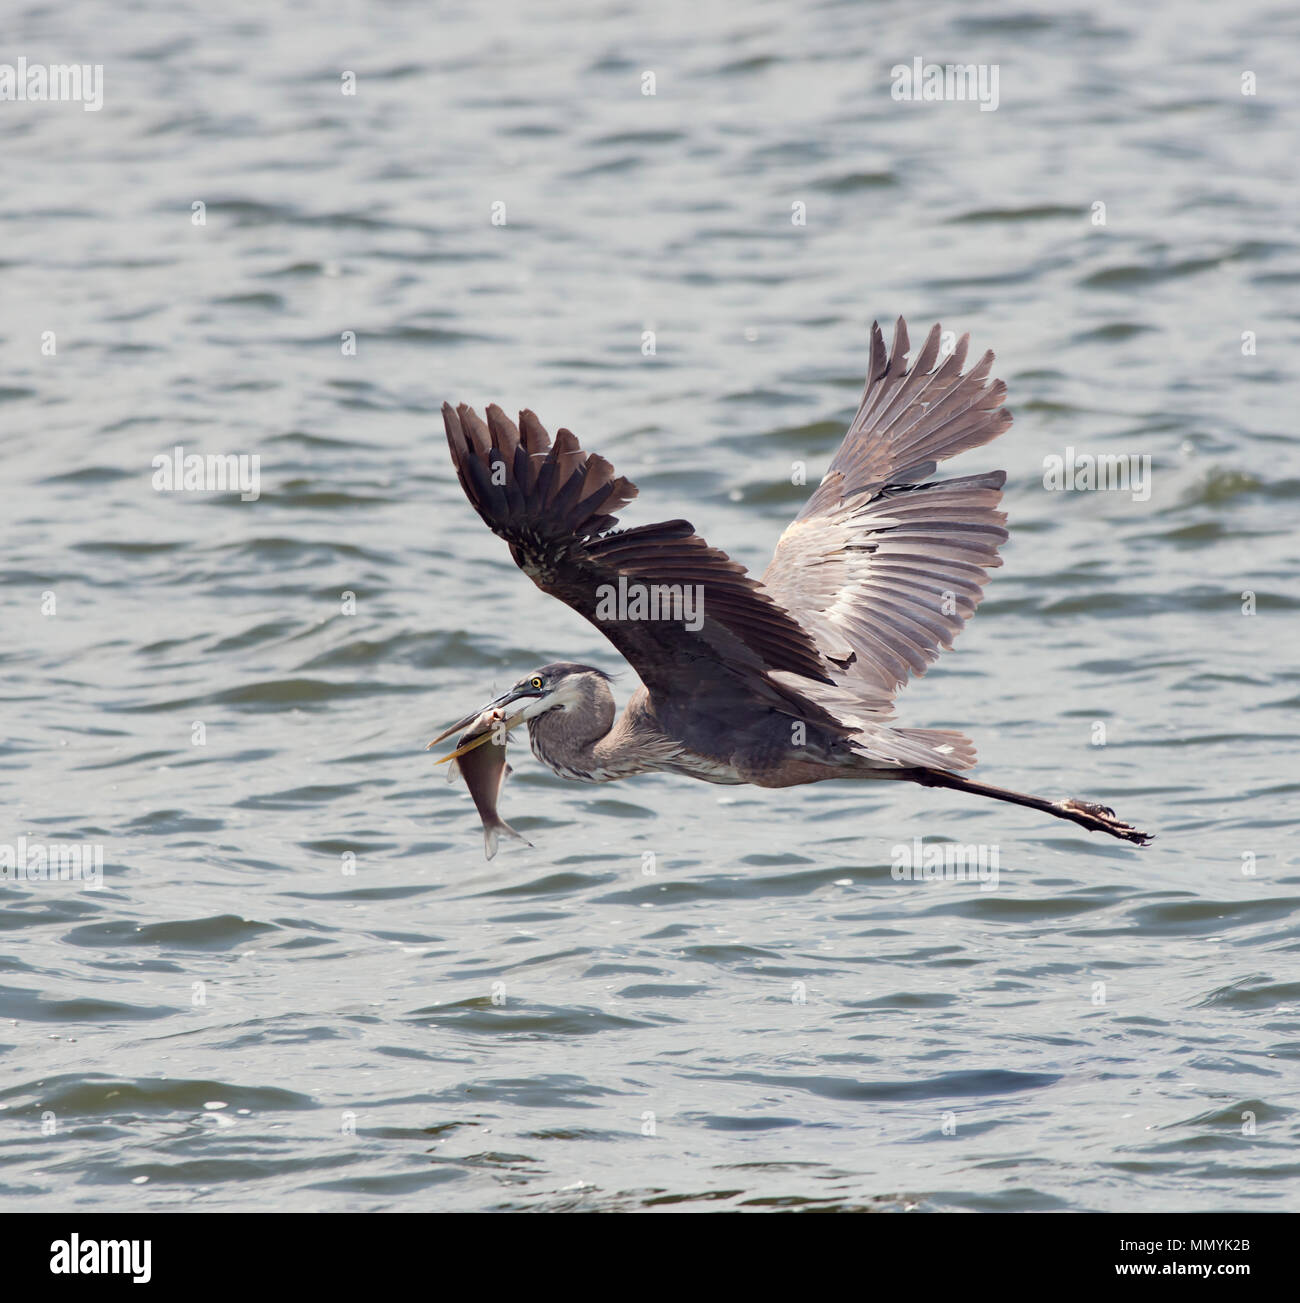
580 738
780 681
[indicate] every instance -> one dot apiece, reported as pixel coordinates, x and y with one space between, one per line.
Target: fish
479 758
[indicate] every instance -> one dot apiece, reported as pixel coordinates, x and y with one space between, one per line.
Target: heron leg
1087 814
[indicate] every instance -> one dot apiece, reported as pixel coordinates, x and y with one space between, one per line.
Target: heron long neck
582 741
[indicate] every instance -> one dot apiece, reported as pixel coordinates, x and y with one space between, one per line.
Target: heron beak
488 717
459 726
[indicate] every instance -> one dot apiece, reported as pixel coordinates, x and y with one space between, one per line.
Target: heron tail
911 749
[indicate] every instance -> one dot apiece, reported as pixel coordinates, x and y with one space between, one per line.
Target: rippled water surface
301 986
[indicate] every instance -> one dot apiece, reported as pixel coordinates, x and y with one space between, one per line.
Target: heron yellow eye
536 682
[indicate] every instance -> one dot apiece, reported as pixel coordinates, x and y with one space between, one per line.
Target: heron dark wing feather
556 505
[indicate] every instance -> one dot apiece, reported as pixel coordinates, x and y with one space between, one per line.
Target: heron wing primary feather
882 568
555 505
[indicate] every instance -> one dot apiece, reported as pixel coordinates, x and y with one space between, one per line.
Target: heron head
559 686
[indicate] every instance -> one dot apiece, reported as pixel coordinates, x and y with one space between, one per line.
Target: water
770 1019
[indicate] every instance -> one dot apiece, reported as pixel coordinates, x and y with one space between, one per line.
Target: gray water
300 985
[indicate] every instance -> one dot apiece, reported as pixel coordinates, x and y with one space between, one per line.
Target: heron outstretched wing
882 569
555 505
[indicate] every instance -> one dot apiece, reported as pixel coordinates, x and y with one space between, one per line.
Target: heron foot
1101 818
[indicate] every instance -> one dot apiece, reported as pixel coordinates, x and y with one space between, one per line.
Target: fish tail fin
492 836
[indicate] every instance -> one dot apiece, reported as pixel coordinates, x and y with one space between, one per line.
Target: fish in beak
509 709
480 758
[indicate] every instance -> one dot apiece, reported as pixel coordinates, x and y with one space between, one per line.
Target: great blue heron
784 680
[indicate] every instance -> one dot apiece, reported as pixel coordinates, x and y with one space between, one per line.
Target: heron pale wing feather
883 569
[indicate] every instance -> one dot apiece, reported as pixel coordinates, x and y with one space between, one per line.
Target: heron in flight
776 681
